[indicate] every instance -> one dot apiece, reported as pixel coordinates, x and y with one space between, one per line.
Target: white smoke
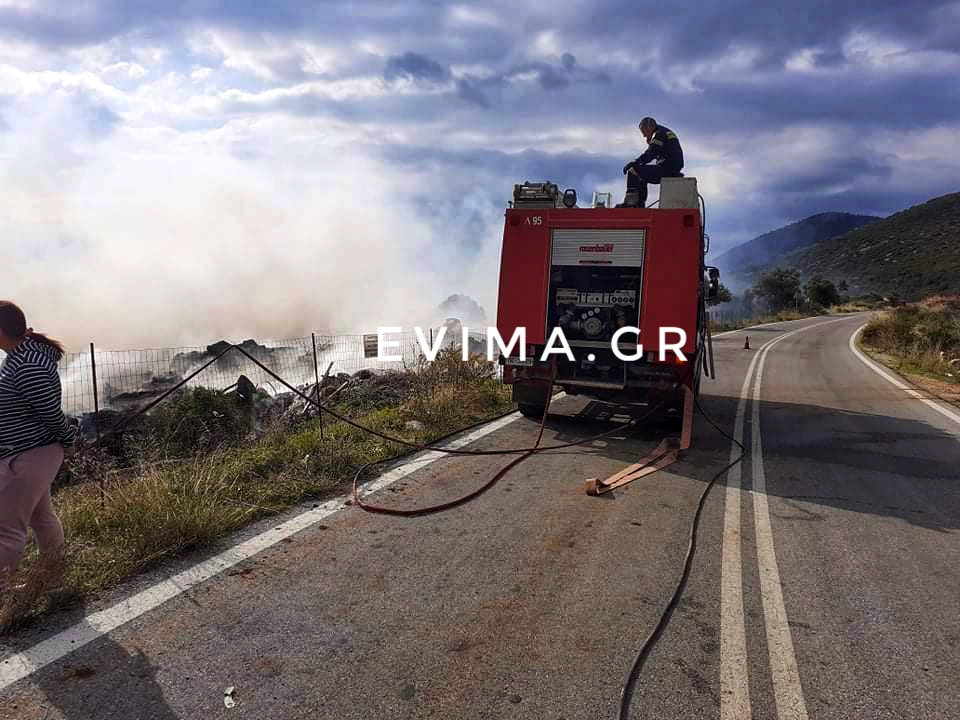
146 237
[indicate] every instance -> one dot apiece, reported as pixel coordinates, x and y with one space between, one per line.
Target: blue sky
175 171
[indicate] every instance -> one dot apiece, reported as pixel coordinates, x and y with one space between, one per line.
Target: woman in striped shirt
33 435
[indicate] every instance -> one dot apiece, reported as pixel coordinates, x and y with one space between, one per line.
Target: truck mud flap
531 392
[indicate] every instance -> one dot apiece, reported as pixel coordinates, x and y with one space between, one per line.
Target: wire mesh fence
126 379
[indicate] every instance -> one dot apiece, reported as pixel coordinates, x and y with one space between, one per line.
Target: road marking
776 322
734 683
734 675
946 412
787 689
23 664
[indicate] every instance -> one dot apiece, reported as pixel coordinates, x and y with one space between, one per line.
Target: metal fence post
96 414
316 375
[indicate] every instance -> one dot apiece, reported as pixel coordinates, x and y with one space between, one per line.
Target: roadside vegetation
195 470
780 295
921 341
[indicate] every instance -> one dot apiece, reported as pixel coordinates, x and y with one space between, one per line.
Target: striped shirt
30 397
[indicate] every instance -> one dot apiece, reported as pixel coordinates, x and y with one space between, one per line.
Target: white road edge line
19 665
893 380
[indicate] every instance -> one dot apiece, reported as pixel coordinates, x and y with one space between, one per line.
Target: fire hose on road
667 453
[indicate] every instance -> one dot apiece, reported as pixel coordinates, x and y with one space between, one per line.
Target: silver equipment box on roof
679 193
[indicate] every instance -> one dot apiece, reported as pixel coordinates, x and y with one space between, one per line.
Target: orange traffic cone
746 342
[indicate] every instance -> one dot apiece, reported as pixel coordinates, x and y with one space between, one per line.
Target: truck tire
673 421
531 410
673 417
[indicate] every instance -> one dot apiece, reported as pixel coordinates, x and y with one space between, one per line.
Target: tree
822 292
844 291
723 296
779 288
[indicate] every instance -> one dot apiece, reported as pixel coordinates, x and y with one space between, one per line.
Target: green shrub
195 421
938 331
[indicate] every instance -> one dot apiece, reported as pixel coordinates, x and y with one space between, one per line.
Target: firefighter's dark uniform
666 151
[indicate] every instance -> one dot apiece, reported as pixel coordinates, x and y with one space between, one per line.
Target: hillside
913 253
738 263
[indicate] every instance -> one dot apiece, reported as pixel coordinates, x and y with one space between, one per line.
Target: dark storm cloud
100 21
875 201
690 31
97 22
416 67
567 169
838 171
557 77
410 24
608 64
549 77
911 100
469 89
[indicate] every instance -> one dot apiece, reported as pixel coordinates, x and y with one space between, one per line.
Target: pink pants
25 481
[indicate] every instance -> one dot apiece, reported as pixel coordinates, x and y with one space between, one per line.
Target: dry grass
921 339
165 510
941 303
854 306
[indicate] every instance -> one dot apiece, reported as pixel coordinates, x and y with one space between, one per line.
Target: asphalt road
826 582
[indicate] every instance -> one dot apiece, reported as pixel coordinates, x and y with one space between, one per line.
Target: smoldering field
130 379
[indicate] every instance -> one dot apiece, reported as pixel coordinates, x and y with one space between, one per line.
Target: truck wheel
673 422
531 410
673 417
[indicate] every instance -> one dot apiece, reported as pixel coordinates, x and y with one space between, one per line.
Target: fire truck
596 275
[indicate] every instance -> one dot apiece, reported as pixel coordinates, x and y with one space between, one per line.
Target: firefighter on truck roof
664 148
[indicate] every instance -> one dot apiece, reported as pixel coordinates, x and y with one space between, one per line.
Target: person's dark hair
14 325
648 122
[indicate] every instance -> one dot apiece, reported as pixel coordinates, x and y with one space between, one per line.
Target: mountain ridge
911 254
739 263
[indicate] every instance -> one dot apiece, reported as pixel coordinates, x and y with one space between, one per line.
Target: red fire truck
591 271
